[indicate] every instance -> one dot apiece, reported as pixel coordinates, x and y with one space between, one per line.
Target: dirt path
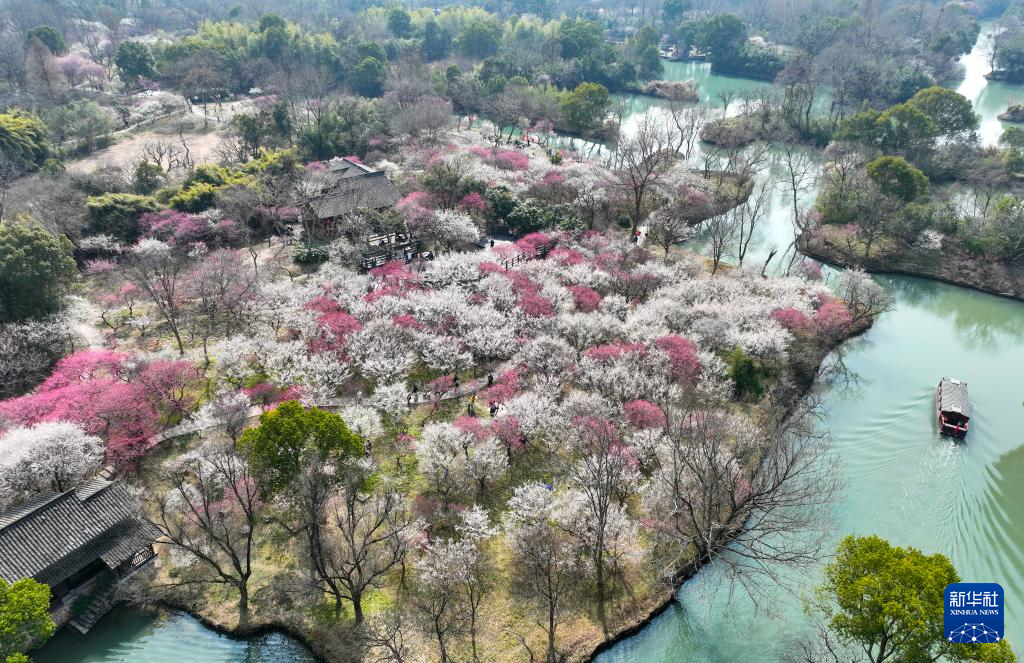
84 316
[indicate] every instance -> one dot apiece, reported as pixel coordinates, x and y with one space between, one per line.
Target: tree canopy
135 60
50 37
23 138
24 617
585 108
285 436
36 271
950 111
896 177
887 602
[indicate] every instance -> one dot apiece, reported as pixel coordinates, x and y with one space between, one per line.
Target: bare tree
218 291
439 599
387 634
744 164
545 570
725 97
600 473
163 153
721 235
361 539
12 58
749 215
43 76
641 161
666 229
801 175
212 514
750 500
10 170
156 268
427 119
688 121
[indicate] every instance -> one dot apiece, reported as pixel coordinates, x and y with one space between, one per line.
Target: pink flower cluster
613 351
108 396
792 319
530 243
502 158
833 317
587 299
334 325
682 355
644 415
183 228
505 387
416 208
267 394
473 202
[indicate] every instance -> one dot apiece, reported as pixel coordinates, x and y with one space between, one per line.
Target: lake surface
990 98
901 480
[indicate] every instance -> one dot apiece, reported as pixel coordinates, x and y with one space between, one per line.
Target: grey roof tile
355 186
52 537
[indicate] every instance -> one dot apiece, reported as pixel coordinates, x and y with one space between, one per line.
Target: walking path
416 400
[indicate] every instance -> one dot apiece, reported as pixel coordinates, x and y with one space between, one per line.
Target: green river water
900 479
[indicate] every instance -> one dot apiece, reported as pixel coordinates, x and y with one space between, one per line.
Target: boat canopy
954 397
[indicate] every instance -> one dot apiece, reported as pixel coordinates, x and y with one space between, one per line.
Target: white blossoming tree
48 456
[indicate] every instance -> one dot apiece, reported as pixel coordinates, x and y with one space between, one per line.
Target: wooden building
351 186
82 543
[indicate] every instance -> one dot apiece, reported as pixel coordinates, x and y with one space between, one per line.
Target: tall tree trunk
357 606
243 604
177 337
551 629
599 560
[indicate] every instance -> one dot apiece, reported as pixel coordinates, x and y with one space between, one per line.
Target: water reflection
979 319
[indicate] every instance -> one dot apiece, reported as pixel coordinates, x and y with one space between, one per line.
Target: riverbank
951 267
798 383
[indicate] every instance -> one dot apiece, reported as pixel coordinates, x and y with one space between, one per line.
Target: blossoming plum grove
567 413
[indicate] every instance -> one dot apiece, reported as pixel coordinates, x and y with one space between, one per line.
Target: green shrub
310 254
747 374
196 198
117 214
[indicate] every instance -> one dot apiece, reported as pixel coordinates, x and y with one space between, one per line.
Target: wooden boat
952 407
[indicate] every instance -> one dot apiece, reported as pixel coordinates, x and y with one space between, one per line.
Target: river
901 480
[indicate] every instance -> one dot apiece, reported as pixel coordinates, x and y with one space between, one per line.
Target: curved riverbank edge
318 648
803 380
993 278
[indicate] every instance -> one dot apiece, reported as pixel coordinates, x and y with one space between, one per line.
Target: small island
1013 113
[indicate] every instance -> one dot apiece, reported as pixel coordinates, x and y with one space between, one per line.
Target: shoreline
322 647
991 278
802 385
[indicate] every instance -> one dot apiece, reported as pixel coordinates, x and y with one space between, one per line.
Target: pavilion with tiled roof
75 541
